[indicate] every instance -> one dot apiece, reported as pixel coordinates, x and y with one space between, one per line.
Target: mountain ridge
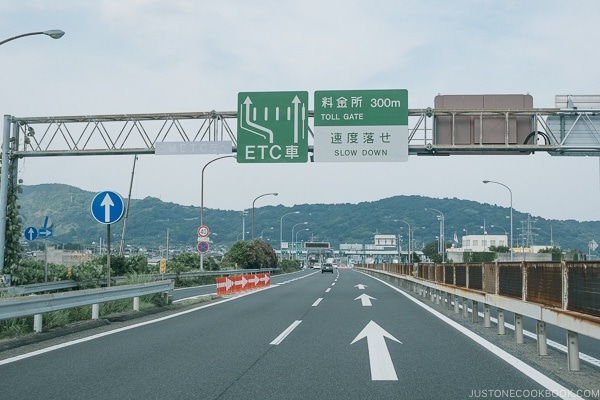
151 221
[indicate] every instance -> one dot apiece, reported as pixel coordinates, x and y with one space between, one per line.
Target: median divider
241 283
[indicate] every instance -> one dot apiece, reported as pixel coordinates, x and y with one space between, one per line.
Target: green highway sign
361 125
272 127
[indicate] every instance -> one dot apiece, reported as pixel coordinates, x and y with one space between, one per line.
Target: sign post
361 125
107 208
272 127
203 243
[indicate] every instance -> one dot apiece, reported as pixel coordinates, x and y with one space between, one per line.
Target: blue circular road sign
202 247
31 233
107 207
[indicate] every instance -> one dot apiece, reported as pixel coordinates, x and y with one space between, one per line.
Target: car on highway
327 267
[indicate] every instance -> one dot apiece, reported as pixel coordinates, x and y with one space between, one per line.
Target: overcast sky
155 56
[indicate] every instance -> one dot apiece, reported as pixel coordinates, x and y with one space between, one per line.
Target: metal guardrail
39 304
564 294
214 273
41 287
61 285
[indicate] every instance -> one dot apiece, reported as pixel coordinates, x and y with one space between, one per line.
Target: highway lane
236 348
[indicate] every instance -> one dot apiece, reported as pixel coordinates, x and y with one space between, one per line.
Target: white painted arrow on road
382 367
365 299
360 286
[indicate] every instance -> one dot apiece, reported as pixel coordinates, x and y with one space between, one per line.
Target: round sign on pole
107 207
203 231
202 247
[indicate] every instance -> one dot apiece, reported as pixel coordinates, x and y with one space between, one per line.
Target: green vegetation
149 218
21 326
250 255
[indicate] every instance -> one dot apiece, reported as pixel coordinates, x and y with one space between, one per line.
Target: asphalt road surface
309 336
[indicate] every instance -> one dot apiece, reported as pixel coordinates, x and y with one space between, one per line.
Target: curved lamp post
263 231
409 241
281 231
254 201
202 186
54 34
293 228
300 230
442 247
511 215
202 200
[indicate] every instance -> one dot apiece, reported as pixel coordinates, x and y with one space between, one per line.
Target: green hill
150 218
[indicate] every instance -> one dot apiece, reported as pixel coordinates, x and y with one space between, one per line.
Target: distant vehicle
316 266
327 267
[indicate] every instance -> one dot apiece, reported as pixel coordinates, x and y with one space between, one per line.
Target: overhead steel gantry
431 132
439 131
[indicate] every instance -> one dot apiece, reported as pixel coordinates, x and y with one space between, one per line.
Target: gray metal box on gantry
494 126
577 126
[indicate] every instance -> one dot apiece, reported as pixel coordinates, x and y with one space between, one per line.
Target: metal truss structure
441 132
556 131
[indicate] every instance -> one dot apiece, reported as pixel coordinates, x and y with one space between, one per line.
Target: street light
263 231
511 215
442 242
202 186
293 227
202 200
254 201
300 230
54 34
409 233
281 230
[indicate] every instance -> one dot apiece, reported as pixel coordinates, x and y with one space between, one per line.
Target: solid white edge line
99 335
525 368
285 333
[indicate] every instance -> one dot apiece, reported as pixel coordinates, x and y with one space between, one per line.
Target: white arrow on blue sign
107 207
45 232
31 233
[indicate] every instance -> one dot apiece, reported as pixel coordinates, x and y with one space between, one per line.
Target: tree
251 255
431 251
500 249
557 254
12 245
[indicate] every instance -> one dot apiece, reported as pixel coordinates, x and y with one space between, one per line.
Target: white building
483 242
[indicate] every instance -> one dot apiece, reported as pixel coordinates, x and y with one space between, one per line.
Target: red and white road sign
239 283
203 231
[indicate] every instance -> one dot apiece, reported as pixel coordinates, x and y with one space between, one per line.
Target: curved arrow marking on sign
365 299
382 367
269 132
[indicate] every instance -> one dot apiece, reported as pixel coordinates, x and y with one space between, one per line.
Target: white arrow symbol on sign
269 132
360 286
254 280
296 101
365 299
30 233
107 203
382 367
